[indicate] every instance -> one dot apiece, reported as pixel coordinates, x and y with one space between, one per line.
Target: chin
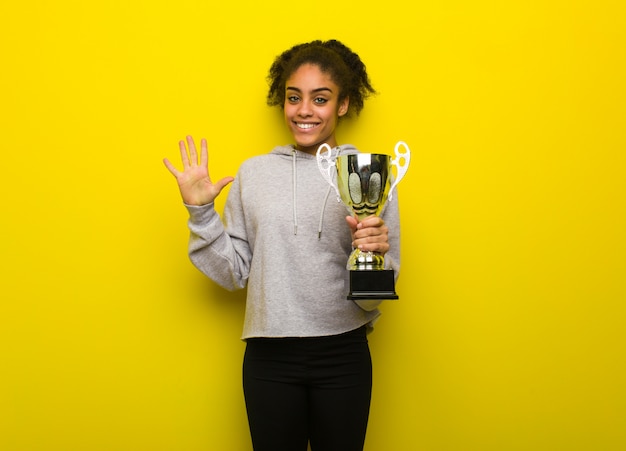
309 145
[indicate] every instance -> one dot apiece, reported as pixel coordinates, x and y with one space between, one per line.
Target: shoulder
277 153
258 162
261 165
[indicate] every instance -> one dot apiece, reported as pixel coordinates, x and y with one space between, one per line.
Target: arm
222 255
212 250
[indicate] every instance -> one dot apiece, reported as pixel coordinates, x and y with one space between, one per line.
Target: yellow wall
509 334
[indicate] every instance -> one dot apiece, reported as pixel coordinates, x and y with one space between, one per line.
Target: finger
372 226
193 155
372 246
360 225
183 154
171 167
371 235
204 154
371 221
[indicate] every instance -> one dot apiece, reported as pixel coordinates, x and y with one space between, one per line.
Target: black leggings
301 389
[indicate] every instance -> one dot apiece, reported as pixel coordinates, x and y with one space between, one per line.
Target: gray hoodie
284 234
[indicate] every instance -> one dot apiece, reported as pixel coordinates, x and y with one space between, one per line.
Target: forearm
224 259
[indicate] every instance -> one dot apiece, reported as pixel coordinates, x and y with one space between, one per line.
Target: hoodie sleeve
222 255
391 216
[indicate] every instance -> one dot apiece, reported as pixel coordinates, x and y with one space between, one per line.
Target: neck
313 149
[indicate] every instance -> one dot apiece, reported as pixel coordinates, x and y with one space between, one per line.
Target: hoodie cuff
201 214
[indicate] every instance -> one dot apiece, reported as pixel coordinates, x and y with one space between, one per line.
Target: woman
307 368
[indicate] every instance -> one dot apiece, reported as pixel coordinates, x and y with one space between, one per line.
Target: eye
293 99
320 100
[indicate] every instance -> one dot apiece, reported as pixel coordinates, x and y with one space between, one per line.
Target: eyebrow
293 88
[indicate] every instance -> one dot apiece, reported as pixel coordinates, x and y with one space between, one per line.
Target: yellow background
509 334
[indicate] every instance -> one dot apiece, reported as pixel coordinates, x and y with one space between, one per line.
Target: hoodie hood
288 150
291 152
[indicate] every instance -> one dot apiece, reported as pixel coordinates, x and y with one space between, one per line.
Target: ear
343 107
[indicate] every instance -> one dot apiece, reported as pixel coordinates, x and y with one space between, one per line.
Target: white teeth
305 126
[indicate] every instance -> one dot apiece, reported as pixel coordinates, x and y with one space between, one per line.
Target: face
312 108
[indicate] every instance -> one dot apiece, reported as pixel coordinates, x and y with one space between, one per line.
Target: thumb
221 184
352 223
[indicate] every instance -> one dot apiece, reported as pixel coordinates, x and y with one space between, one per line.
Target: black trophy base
372 285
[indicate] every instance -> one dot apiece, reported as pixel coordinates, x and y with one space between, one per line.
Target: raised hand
194 182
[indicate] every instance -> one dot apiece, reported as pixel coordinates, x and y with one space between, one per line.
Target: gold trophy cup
365 182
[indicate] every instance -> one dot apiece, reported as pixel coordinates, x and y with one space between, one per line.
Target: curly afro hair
332 57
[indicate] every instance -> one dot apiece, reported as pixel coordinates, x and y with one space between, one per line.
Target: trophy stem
366 261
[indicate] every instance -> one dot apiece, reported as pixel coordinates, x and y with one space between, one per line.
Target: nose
304 109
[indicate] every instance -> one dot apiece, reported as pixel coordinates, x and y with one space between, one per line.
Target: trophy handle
326 163
402 168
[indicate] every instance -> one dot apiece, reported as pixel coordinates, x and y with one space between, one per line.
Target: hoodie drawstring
295 196
319 227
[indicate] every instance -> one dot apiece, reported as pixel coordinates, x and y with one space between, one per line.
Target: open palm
194 181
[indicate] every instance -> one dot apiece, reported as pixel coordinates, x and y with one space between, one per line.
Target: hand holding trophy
364 182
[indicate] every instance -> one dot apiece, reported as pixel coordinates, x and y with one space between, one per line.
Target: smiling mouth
305 126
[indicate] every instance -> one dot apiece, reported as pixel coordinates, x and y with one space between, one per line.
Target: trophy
364 182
